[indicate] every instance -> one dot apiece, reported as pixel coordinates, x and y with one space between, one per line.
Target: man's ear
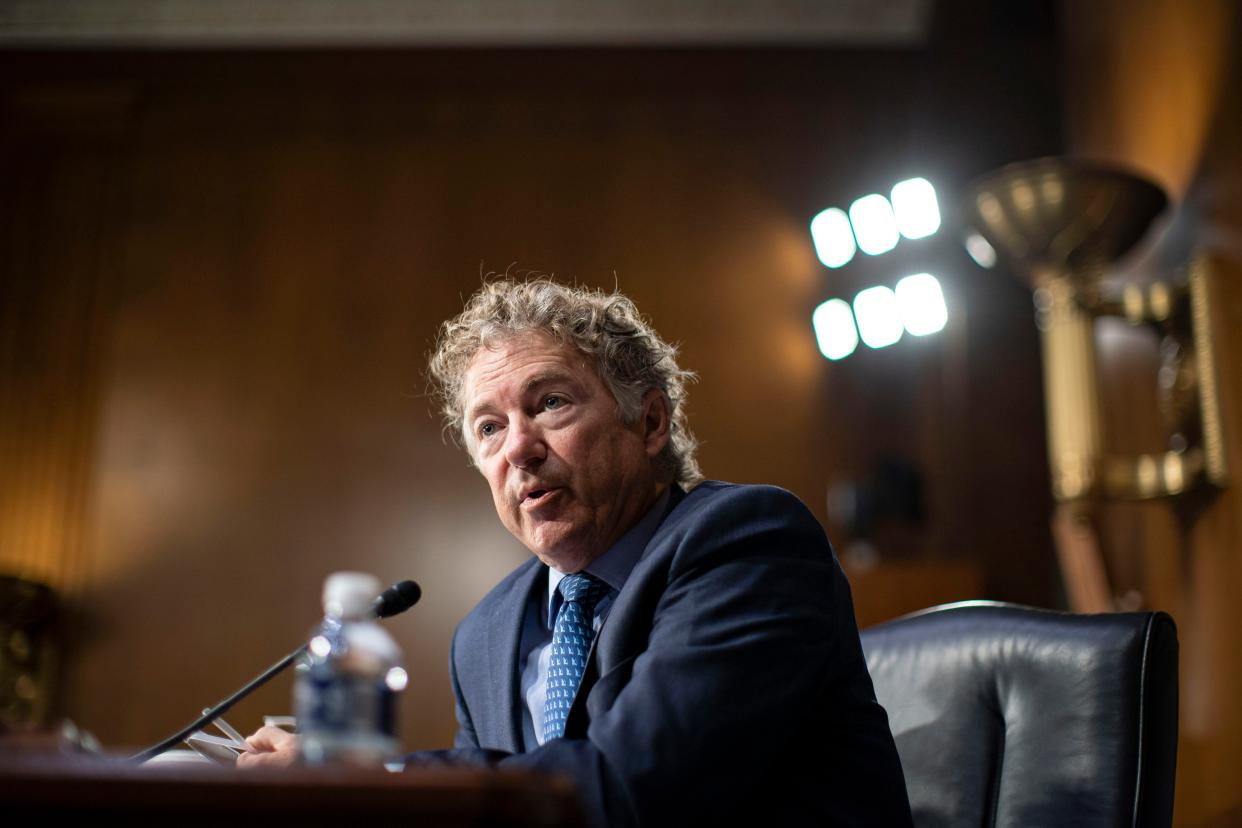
656 421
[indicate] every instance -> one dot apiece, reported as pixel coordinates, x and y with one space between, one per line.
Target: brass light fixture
1064 223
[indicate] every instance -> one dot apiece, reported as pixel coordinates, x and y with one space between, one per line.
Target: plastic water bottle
347 683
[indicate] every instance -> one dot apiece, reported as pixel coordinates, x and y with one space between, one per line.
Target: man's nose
524 447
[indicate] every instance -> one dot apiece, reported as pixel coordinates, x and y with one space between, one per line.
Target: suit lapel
504 638
603 652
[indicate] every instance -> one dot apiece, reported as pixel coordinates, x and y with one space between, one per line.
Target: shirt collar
614 566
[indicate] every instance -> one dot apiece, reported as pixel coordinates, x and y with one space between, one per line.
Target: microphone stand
219 710
395 600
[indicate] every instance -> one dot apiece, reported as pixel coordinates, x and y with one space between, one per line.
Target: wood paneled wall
1155 86
282 234
61 176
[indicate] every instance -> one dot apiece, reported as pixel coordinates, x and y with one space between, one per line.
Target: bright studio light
915 208
833 238
834 329
879 320
921 303
875 227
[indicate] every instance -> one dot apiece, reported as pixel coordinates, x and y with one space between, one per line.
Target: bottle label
343 704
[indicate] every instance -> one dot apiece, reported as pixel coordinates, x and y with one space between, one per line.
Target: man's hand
270 747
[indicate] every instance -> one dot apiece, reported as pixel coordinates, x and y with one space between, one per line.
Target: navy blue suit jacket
727 681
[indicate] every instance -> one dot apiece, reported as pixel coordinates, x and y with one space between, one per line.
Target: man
684 650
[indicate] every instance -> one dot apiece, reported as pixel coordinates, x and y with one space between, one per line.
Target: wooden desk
45 787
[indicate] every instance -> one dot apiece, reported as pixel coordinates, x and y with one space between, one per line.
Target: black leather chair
1010 716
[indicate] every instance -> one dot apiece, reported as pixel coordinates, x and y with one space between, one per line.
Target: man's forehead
527 359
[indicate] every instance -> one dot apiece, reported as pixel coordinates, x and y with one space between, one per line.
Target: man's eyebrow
549 377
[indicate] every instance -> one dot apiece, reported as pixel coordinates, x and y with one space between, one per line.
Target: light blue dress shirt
613 568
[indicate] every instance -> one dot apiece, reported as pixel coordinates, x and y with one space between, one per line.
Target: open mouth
536 496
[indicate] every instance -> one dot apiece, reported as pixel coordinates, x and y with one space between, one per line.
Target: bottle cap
349 594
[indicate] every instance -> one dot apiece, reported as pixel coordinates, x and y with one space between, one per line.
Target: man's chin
566 558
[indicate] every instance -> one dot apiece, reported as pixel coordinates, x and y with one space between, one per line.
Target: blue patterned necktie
571 642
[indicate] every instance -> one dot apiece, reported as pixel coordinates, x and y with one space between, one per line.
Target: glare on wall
915 208
875 226
879 318
921 304
979 249
833 238
834 329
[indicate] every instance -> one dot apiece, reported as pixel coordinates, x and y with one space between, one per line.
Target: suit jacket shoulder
730 511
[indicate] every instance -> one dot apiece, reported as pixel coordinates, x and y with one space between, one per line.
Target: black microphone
395 600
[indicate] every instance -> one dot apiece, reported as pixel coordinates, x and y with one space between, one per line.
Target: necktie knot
582 588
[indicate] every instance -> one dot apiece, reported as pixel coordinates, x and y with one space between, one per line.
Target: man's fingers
269 747
269 739
274 759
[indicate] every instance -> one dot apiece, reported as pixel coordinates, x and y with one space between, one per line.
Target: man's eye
553 402
487 429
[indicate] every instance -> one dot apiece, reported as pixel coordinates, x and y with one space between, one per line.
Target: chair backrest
1010 716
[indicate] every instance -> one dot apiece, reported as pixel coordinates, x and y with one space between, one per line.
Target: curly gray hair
630 356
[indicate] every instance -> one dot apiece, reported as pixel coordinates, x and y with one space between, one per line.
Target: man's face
567 476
